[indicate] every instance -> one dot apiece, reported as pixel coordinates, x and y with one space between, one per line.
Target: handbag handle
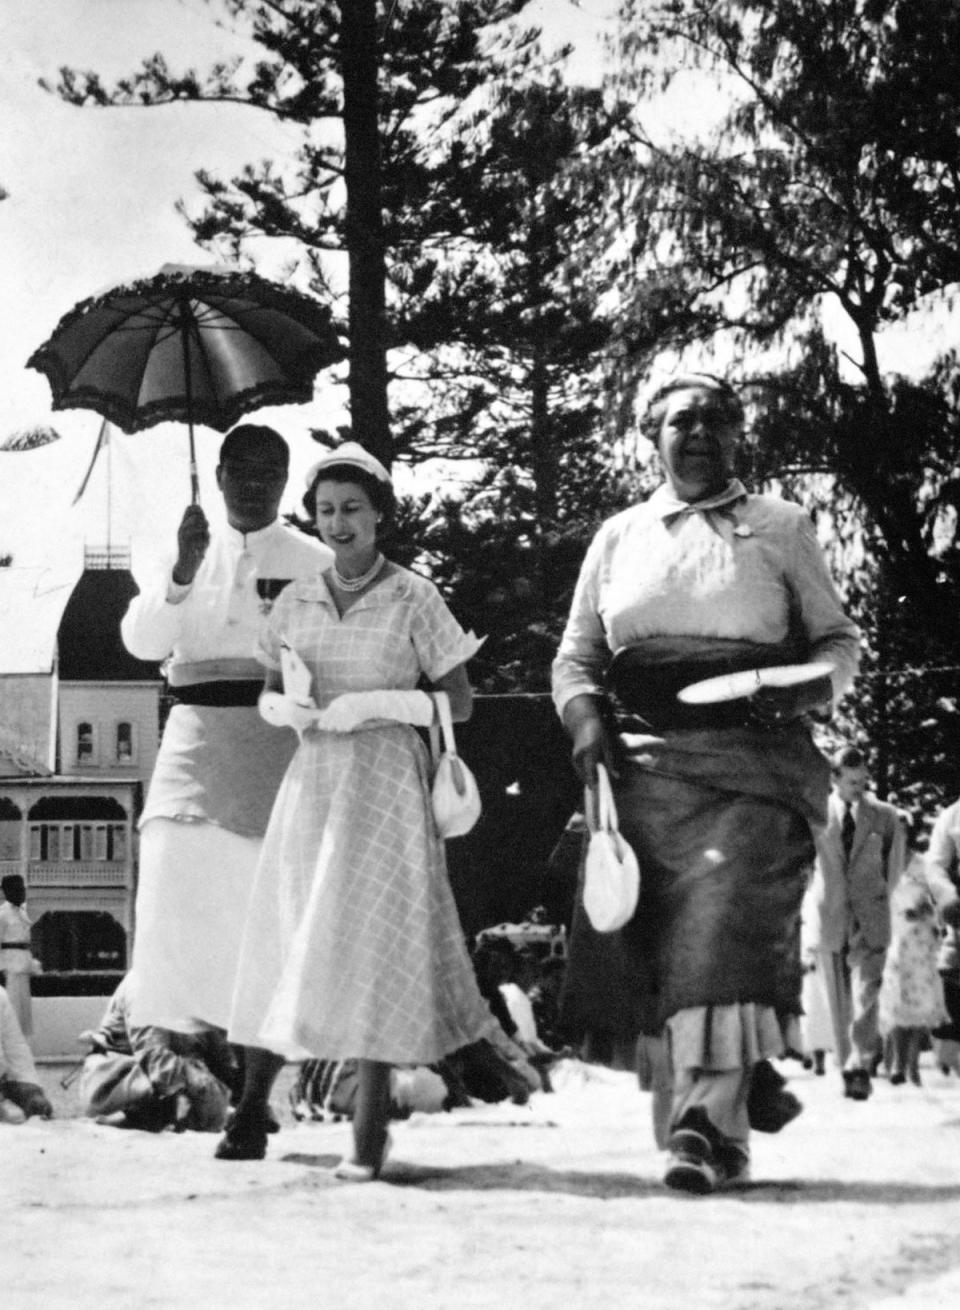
442 702
599 804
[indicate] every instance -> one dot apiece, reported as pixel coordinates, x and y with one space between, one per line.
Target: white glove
348 711
284 712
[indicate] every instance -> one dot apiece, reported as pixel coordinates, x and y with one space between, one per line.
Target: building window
86 753
69 841
51 843
125 753
117 837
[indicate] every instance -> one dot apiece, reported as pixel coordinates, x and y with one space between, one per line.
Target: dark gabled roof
89 642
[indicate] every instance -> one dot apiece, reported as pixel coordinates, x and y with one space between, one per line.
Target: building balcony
79 873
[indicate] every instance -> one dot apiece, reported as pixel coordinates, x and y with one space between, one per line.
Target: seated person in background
494 962
153 1078
518 994
327 1090
20 1092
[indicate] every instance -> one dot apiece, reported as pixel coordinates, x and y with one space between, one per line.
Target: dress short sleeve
440 642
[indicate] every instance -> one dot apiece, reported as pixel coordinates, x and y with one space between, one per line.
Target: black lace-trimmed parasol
192 345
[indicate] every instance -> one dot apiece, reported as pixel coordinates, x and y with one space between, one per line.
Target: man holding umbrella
219 764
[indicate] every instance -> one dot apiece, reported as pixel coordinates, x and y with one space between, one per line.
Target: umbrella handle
185 321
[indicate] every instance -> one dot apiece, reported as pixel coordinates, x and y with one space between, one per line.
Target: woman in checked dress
353 946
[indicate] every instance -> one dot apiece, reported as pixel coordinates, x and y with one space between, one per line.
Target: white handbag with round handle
611 885
455 796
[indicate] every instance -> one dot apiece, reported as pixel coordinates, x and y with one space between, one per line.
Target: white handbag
456 799
611 885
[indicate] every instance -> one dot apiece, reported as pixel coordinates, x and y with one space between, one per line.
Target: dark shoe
245 1139
897 1077
733 1163
693 1163
856 1084
770 1106
691 1167
272 1122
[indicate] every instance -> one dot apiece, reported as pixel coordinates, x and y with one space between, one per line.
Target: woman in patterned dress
911 992
353 946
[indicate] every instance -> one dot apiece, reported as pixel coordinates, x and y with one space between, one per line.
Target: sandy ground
558 1203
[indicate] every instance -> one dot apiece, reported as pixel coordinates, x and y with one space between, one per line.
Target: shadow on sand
524 1177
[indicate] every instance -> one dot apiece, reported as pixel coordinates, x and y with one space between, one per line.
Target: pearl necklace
357 584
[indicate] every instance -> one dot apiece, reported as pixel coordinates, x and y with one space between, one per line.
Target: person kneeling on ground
152 1078
20 1092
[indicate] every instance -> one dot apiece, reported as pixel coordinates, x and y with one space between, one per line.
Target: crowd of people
293 900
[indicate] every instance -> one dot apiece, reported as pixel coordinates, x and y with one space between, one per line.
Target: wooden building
79 731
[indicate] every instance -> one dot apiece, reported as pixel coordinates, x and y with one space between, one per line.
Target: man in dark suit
860 855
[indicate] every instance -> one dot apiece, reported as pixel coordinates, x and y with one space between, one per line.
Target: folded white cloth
353 708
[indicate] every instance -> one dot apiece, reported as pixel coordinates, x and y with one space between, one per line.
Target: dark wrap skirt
720 819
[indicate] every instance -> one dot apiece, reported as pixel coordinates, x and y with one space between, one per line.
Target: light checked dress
353 945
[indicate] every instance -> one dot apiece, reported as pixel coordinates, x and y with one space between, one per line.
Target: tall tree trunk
364 229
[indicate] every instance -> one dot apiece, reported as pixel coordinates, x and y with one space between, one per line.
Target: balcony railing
79 873
106 557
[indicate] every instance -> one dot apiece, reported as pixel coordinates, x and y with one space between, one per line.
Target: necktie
847 829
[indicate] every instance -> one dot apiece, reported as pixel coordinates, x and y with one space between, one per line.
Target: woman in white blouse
703 579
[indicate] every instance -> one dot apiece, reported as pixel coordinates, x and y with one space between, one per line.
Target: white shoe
10 1113
349 1171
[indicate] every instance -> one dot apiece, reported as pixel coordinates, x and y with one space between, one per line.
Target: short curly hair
380 493
651 421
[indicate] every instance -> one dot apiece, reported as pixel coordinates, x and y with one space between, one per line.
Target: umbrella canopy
30 438
196 345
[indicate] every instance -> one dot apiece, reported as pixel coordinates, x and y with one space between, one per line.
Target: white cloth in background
16 1061
521 1012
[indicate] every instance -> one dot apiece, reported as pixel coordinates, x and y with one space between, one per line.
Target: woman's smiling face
697 442
347 521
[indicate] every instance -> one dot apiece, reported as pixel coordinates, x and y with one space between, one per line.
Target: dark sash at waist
643 680
15 946
222 694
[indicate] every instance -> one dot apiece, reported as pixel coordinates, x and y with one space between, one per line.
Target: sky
90 203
